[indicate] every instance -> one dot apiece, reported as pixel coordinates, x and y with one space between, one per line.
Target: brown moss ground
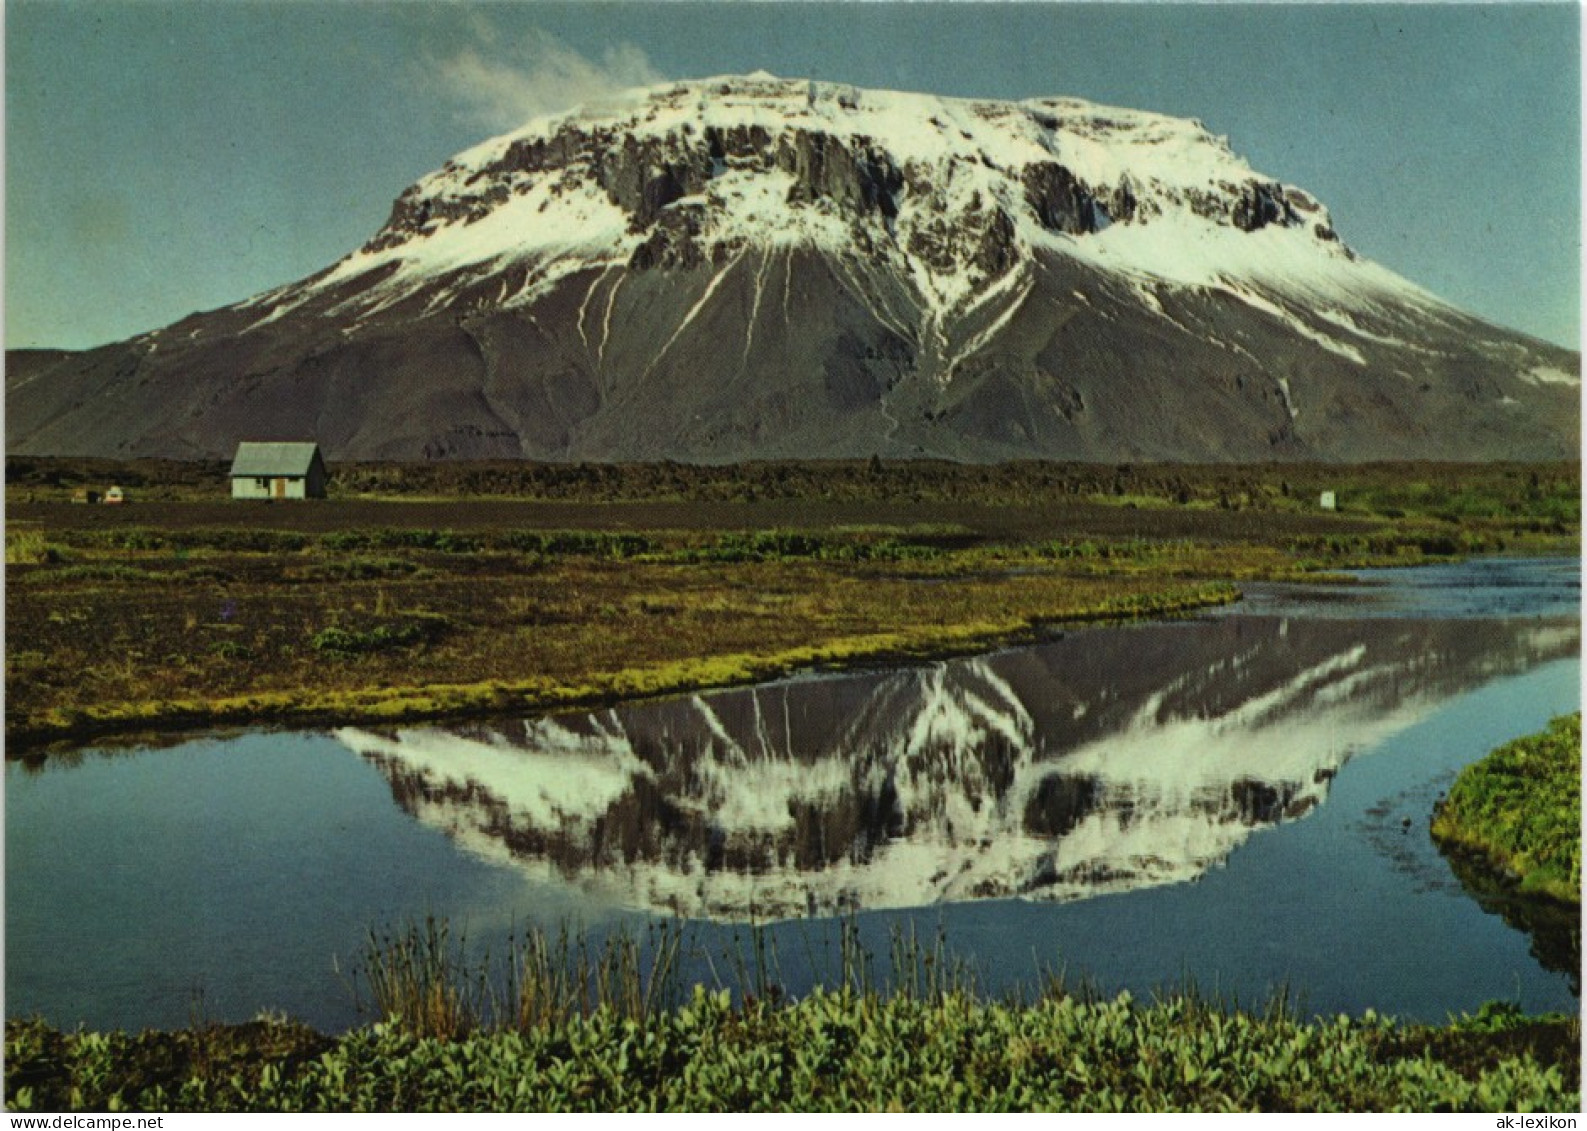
170 614
238 638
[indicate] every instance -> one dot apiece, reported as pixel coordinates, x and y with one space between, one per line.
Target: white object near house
277 471
1327 501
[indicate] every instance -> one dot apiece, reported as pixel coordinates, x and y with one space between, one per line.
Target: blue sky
169 157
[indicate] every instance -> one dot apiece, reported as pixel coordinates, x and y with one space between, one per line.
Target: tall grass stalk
425 979
759 973
929 972
421 978
548 982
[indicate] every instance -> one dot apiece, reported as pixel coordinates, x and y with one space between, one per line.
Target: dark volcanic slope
756 267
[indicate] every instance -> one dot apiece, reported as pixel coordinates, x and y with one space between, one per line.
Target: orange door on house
278 488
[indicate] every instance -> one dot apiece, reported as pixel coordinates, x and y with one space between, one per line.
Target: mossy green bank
1518 811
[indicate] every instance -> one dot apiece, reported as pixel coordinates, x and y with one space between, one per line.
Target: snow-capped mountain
1102 762
758 267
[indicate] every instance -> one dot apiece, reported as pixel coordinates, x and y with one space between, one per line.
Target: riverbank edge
310 707
1479 839
829 1051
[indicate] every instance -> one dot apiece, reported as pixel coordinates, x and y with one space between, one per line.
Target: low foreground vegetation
828 1052
1518 811
433 591
566 1031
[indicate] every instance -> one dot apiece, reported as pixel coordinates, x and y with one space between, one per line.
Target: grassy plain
426 591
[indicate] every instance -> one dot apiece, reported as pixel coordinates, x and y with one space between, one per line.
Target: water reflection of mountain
1104 761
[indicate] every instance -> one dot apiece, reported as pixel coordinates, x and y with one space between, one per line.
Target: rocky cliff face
757 267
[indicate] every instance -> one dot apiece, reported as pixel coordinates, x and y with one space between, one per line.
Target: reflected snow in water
1103 762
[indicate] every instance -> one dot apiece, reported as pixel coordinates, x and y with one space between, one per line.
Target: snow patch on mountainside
1550 375
963 161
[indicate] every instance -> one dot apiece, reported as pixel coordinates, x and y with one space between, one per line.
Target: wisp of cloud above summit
503 85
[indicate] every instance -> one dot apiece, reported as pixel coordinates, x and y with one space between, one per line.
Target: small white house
277 471
1327 501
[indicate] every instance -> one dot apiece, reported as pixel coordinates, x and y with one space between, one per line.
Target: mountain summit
755 267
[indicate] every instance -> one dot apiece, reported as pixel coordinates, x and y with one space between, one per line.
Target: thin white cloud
501 84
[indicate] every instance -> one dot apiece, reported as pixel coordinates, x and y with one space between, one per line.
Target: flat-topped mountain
757 267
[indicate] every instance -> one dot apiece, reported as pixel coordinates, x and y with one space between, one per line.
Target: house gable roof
256 459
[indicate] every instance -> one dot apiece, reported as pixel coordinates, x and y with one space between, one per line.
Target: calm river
1239 800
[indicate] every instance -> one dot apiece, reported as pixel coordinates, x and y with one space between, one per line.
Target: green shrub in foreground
830 1051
